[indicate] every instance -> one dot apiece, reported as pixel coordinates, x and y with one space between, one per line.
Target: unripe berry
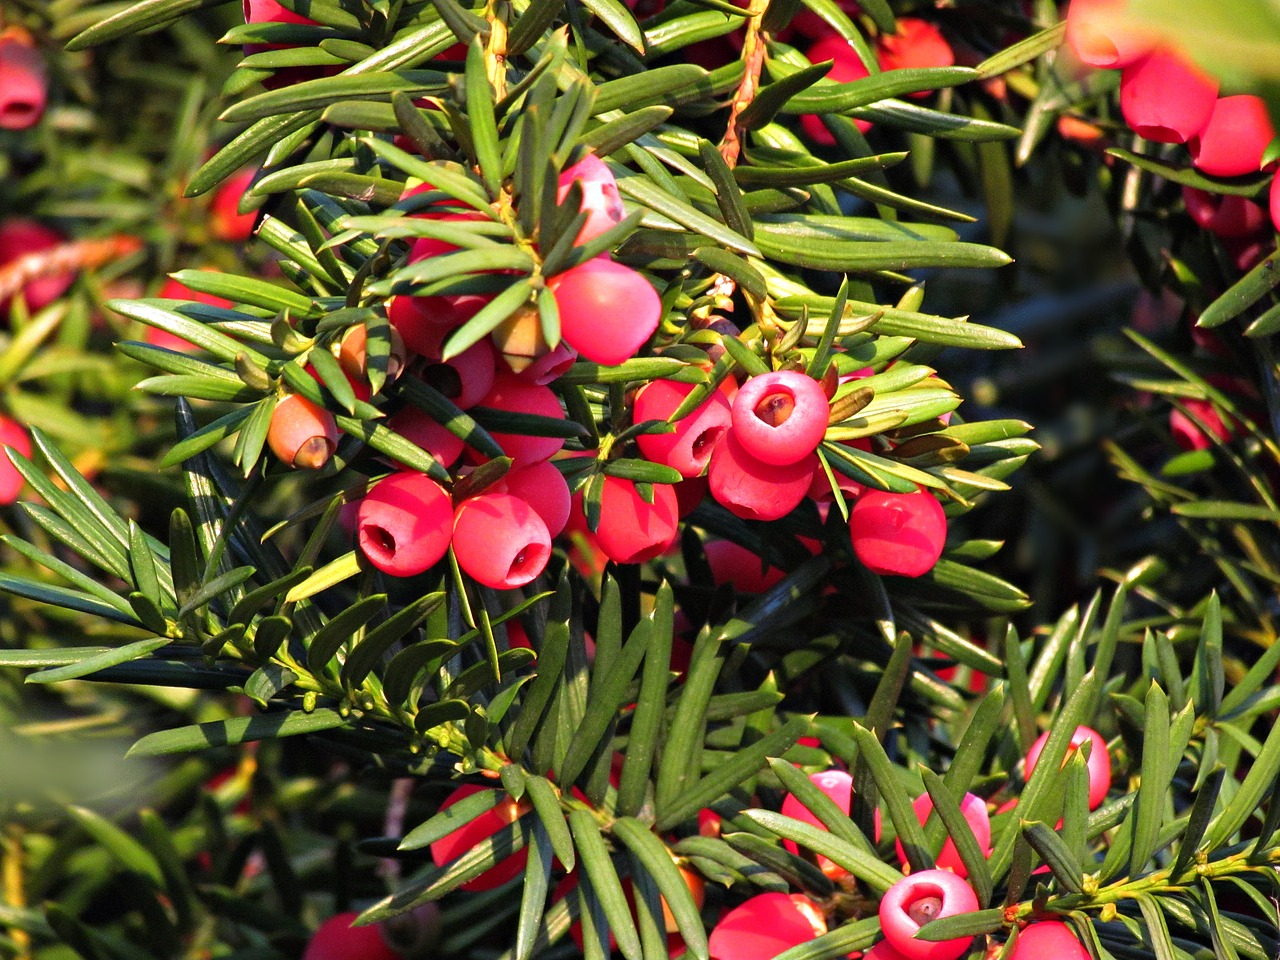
542 486
13 436
526 352
20 237
918 43
418 427
752 489
301 433
1101 34
403 525
453 845
689 448
509 393
1223 215
337 939
975 814
1235 138
901 534
765 926
353 354
846 66
1048 938
918 899
780 417
24 81
631 530
600 198
500 540
1167 98
1099 761
607 310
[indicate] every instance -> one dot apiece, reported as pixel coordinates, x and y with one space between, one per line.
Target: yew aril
22 239
24 80
1188 435
900 534
226 222
173 290
403 524
974 809
918 899
337 939
846 66
917 44
500 540
1224 215
631 530
465 379
1099 761
419 427
752 489
301 433
607 310
1167 98
1102 34
688 449
739 567
600 198
543 487
453 845
13 436
509 393
1234 140
780 417
1048 938
766 925
353 354
838 786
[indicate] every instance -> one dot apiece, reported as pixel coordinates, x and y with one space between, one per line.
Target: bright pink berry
543 487
1101 34
1273 202
500 540
548 367
24 81
1189 436
607 310
752 489
600 198
975 814
740 567
883 950
916 900
1099 761
1235 138
838 785
780 417
765 926
337 939
901 534
453 845
918 43
846 66
1048 938
465 379
13 436
689 448
632 531
20 237
301 433
820 486
418 427
226 222
1222 214
1167 98
509 393
404 523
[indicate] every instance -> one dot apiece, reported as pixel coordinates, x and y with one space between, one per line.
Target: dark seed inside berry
924 910
776 408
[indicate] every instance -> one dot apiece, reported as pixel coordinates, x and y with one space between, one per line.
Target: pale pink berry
780 417
511 394
918 43
600 197
900 534
1167 98
1099 761
752 489
631 530
607 310
1223 215
453 845
1048 938
465 379
689 448
543 487
975 814
419 428
301 433
1101 34
403 524
24 81
765 926
500 540
918 899
846 66
13 436
1234 140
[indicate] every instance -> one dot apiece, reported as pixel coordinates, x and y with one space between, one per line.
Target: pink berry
453 845
1223 215
739 567
466 378
755 490
13 436
20 237
543 487
765 926
918 899
1048 938
1189 436
549 367
404 523
511 394
901 534
975 814
607 310
1235 138
226 222
337 939
1101 35
301 433
1273 202
838 785
418 427
600 198
632 531
500 540
1167 98
846 66
1099 762
780 417
918 43
24 81
689 448
820 486
269 11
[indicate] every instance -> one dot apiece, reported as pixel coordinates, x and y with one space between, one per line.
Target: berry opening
706 442
20 112
528 563
378 540
776 408
444 378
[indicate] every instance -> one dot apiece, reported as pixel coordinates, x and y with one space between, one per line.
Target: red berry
226 222
918 43
1187 434
20 237
607 310
24 81
846 67
1167 98
765 926
689 448
1048 938
838 785
740 567
466 378
453 845
301 433
1222 214
13 436
500 540
404 523
354 359
975 814
509 393
780 417
1099 761
631 530
918 899
1273 202
600 198
1235 138
542 486
755 490
337 939
898 533
417 426
1101 34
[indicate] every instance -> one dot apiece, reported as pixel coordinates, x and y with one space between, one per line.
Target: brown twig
753 52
